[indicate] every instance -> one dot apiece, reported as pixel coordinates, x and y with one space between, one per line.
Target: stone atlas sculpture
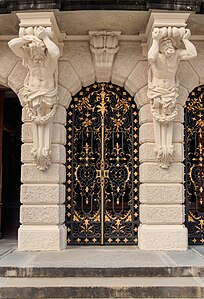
163 58
39 94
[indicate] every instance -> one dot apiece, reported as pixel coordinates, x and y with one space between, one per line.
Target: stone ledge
161 193
147 133
42 214
153 173
163 237
42 194
58 133
56 173
58 153
42 237
147 152
161 214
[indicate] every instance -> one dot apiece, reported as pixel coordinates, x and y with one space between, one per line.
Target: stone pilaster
42 213
161 190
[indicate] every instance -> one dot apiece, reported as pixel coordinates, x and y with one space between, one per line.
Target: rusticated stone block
141 97
58 133
58 153
147 133
56 173
147 152
79 54
153 173
163 237
42 194
187 76
138 78
64 96
68 77
42 237
42 214
128 55
161 214
161 193
7 61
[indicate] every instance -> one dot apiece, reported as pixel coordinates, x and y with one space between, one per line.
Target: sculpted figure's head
167 46
37 50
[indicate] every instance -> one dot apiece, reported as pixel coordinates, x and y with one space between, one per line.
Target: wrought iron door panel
102 167
194 170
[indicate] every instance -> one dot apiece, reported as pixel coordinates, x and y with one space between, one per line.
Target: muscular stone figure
163 58
40 92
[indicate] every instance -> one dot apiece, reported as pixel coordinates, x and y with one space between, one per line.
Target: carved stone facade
104 56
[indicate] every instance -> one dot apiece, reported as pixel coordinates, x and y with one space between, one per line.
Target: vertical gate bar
102 161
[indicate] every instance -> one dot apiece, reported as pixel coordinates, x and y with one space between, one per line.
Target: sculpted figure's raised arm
163 57
40 92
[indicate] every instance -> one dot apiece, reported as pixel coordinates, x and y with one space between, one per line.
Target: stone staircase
101 272
140 282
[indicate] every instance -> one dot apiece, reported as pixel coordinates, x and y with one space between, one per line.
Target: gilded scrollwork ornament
164 56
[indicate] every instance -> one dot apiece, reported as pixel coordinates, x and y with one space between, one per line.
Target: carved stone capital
159 20
103 45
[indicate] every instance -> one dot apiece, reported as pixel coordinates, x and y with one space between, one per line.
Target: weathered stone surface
197 62
153 173
125 60
145 114
55 174
39 194
163 237
58 133
17 77
147 133
161 214
68 77
7 62
58 153
64 96
182 95
161 193
79 55
41 237
187 76
141 97
138 78
147 152
42 214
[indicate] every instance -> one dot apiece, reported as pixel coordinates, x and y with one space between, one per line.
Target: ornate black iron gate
102 167
194 166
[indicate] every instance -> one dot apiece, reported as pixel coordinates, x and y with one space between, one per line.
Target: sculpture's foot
164 156
41 157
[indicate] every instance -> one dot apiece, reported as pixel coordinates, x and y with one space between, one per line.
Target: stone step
61 271
102 287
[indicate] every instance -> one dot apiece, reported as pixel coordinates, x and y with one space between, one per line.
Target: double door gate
102 167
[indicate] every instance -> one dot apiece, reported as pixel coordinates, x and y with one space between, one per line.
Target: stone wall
161 191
